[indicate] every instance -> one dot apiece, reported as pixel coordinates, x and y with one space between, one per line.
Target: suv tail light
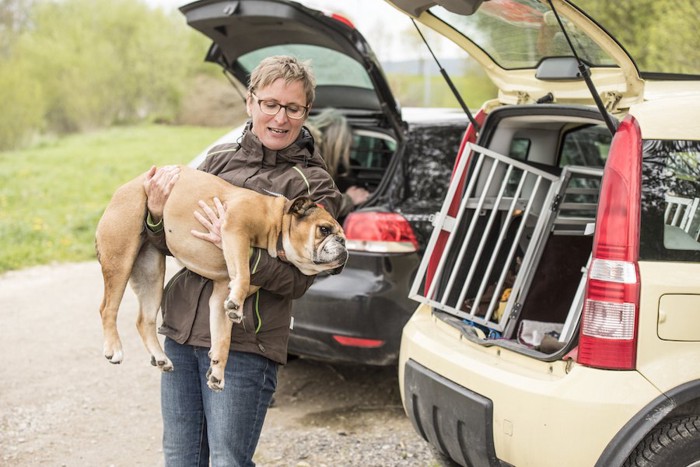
469 137
379 232
342 19
609 324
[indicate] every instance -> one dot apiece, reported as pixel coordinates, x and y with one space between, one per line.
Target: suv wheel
442 459
675 444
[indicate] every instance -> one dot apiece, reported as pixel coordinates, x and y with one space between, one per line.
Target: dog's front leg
220 329
237 255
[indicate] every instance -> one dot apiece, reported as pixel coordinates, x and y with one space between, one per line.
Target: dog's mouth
337 262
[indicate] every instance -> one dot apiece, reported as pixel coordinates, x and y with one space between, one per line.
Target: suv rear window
670 201
330 67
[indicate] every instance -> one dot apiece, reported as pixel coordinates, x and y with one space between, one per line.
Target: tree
101 62
14 18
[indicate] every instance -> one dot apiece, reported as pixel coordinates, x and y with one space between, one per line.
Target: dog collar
280 249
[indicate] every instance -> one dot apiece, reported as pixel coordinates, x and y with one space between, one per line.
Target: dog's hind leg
115 280
220 329
147 279
118 240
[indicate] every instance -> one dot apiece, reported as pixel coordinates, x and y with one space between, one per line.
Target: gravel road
62 404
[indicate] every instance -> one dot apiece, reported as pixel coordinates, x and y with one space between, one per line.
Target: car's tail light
379 232
608 333
469 137
348 341
342 19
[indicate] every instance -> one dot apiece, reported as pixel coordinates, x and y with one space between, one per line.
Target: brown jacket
294 171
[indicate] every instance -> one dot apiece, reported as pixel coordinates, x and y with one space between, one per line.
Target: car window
519 148
370 155
587 146
520 33
671 201
371 150
330 67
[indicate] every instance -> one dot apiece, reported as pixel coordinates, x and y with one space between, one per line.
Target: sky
382 25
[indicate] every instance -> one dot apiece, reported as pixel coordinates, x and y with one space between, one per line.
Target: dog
296 230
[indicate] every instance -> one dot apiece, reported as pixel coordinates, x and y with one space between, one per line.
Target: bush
22 105
101 62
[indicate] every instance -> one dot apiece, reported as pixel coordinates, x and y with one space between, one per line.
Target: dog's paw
114 357
231 305
235 316
163 364
113 360
214 383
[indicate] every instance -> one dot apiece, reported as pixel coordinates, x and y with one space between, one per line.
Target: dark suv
403 158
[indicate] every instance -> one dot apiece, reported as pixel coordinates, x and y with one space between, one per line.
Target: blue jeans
199 423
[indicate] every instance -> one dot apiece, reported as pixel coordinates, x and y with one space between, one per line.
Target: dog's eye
325 230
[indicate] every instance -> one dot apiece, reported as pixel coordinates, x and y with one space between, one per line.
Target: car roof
669 118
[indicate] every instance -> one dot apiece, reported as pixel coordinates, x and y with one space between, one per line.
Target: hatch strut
448 80
586 74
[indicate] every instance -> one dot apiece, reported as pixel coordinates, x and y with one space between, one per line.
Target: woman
275 156
333 136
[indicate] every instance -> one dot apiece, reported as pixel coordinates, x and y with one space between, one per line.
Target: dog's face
313 241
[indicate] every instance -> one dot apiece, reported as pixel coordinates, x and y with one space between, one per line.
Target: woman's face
277 131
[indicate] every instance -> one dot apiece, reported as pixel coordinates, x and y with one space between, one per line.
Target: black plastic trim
455 420
634 431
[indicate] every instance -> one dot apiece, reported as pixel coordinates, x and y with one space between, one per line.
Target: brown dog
297 230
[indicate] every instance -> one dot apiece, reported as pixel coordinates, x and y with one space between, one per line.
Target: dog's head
312 240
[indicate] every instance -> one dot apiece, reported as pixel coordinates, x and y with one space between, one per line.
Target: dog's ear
300 206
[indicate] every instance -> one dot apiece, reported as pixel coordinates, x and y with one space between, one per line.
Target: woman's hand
212 222
357 194
158 185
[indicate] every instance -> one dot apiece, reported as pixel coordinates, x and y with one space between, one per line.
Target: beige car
559 316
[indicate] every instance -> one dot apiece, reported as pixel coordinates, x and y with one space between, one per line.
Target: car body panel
660 360
654 120
534 402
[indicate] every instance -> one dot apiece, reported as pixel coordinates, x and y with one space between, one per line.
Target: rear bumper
368 300
538 413
465 416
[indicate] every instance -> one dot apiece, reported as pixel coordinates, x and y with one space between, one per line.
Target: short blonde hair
286 67
333 137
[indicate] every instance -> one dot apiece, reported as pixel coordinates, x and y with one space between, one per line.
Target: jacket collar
302 151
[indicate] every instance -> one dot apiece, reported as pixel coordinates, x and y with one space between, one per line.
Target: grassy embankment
52 195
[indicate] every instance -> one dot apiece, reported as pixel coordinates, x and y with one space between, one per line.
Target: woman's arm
158 185
277 276
268 273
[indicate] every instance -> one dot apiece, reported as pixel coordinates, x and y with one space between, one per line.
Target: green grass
53 194
411 90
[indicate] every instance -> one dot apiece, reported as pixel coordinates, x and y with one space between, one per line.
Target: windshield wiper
444 74
586 75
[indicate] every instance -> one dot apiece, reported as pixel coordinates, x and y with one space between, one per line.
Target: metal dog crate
493 243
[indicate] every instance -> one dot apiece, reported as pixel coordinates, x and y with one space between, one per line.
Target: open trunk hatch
509 263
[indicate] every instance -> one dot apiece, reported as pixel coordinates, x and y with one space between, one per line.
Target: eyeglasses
270 107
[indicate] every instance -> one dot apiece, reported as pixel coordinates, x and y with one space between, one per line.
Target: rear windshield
671 201
330 67
520 33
